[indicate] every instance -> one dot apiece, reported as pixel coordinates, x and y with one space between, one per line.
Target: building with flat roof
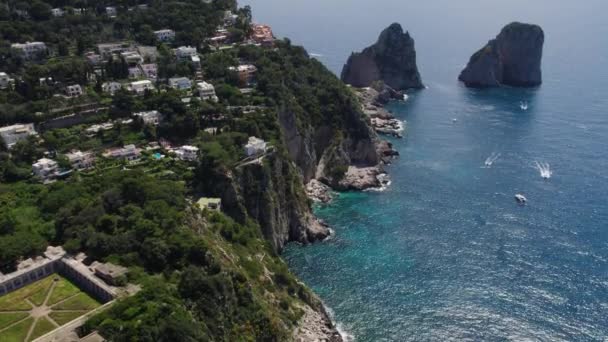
180 83
210 203
165 35
185 52
31 50
73 90
45 169
108 272
187 153
128 152
140 87
246 73
111 87
206 91
81 160
255 146
15 133
151 117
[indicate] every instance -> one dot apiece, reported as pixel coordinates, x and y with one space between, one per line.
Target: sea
445 253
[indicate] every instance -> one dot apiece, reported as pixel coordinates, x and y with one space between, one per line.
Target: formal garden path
38 308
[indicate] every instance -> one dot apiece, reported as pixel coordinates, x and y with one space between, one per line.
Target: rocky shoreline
372 104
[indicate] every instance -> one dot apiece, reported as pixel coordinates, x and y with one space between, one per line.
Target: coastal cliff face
513 58
392 59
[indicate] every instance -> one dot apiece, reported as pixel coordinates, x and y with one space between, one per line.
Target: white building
152 117
180 83
132 57
140 87
185 52
57 12
149 70
31 50
111 87
128 152
5 80
255 146
187 153
111 11
45 169
12 134
94 129
206 91
74 90
165 35
81 160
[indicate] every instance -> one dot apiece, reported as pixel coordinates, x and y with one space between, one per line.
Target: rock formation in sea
513 58
392 59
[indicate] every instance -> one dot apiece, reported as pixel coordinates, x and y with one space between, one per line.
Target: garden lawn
18 332
43 326
8 318
82 301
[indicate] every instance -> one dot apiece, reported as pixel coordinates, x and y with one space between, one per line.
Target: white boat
521 198
523 105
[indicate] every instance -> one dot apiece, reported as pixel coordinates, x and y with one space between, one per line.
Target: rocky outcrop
513 58
315 326
392 59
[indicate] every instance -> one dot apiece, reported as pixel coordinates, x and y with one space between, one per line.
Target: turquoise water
445 253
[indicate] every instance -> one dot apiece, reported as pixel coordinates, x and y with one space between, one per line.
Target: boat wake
315 54
491 159
544 169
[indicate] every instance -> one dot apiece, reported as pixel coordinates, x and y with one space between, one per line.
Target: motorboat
521 199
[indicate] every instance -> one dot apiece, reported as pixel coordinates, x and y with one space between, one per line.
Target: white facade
57 12
74 90
165 35
152 117
111 11
255 146
128 152
180 83
12 134
5 80
81 160
139 87
206 91
187 153
30 50
45 169
185 52
111 87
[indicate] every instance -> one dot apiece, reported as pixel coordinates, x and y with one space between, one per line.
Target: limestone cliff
513 58
392 59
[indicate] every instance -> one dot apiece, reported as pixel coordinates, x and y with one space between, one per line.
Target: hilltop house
255 146
187 153
152 117
45 169
210 203
74 90
81 160
111 87
206 91
140 87
165 35
246 73
31 50
128 152
180 83
12 134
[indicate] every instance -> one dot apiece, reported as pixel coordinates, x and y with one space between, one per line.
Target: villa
206 91
45 169
165 35
74 90
15 133
152 117
111 87
187 153
31 50
180 83
81 160
140 87
262 34
255 146
210 203
246 73
185 52
128 152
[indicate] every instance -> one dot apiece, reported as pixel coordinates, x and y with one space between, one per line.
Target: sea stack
392 59
513 58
